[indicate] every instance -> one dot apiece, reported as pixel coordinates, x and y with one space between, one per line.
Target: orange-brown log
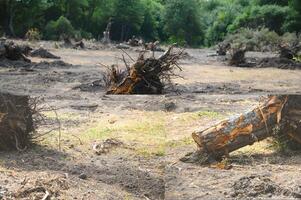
250 127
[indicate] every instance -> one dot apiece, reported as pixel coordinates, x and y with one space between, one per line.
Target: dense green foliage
192 22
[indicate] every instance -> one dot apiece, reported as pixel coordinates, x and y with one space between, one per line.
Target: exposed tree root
145 76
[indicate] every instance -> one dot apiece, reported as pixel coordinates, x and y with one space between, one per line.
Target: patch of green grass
189 117
183 142
297 58
210 114
61 116
147 129
128 197
152 151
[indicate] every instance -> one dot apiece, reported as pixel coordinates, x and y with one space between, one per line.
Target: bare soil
154 130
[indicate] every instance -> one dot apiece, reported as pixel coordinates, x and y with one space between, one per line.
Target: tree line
191 22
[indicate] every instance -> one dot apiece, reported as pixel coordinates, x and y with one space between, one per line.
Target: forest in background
191 22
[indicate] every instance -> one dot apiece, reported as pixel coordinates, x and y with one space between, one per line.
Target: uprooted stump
278 112
278 62
145 76
237 56
69 43
289 51
153 46
16 122
11 51
222 48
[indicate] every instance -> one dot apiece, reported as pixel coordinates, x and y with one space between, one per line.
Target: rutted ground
155 132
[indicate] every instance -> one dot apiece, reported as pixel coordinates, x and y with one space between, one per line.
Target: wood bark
237 57
250 127
16 121
12 51
291 122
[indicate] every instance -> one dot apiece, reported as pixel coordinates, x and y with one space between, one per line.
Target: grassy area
148 132
61 116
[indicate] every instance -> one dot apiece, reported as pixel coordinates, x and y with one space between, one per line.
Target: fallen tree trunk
256 125
16 122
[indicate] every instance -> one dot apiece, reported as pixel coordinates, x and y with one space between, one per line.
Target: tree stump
16 122
237 57
12 51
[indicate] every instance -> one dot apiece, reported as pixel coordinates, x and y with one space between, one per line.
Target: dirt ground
154 132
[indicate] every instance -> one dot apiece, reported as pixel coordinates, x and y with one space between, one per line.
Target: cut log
16 123
253 126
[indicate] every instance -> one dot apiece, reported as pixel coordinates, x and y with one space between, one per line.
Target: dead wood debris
289 51
70 43
145 76
285 60
222 48
261 187
42 188
16 122
136 42
237 57
280 113
278 62
9 50
20 116
43 53
13 55
153 46
106 145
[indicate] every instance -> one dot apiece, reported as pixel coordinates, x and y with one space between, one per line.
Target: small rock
170 106
83 176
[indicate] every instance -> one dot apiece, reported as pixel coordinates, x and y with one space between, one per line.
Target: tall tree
7 8
182 21
128 18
